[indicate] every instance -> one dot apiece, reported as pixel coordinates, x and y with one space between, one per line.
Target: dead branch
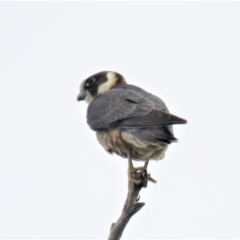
131 205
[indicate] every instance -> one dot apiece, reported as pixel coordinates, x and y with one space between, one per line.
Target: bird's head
99 83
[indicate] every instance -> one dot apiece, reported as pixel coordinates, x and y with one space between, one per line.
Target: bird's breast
112 142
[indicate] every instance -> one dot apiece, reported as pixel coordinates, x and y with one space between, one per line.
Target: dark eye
90 81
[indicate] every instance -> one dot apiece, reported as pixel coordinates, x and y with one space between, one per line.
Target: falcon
128 121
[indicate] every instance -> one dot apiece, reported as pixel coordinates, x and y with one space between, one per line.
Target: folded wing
127 107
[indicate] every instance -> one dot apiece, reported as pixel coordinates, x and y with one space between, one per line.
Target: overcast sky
56 181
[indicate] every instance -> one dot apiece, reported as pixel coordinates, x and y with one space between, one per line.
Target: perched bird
128 121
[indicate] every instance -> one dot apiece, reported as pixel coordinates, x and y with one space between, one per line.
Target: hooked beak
81 96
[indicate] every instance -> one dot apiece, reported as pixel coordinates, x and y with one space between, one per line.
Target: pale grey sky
56 181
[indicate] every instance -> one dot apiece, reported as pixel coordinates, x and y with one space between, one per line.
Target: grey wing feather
106 110
127 106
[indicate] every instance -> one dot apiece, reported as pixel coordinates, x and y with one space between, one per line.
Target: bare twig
131 205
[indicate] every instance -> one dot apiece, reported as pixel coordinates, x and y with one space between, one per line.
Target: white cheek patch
111 81
88 97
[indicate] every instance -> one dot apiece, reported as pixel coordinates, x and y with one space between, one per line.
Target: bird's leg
143 168
146 164
140 168
132 170
141 171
